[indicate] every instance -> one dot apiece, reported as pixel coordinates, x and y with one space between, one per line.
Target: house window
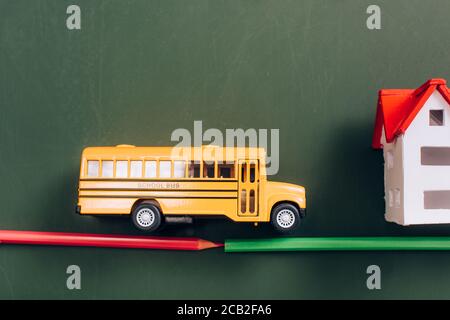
391 198
389 159
435 156
397 198
436 117
436 199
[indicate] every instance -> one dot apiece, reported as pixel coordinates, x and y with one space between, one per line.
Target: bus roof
209 152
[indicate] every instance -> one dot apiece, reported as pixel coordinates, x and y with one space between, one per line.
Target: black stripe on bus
156 190
157 180
152 197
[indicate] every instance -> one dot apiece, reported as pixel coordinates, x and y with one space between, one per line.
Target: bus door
248 175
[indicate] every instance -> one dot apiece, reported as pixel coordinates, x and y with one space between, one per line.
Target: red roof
397 108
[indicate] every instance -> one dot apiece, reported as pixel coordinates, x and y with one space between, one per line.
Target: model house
413 129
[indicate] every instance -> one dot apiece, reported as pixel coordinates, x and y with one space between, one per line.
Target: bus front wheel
146 217
285 217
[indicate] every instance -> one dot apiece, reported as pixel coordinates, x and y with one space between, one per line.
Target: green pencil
338 244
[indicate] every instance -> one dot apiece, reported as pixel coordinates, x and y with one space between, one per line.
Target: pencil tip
205 244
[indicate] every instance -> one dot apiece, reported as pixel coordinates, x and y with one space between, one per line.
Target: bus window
194 169
121 169
150 169
107 169
243 200
243 172
179 169
208 169
252 201
226 170
165 168
136 169
252 172
92 168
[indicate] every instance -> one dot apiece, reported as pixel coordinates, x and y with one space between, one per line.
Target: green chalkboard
137 70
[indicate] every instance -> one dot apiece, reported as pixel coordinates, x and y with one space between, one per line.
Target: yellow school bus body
188 195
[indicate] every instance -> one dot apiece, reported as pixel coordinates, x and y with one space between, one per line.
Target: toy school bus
154 183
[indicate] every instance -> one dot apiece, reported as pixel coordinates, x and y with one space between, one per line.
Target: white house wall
419 178
393 179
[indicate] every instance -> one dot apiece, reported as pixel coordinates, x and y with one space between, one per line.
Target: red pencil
104 240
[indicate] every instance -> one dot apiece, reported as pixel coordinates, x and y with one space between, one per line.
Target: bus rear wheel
285 218
146 217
